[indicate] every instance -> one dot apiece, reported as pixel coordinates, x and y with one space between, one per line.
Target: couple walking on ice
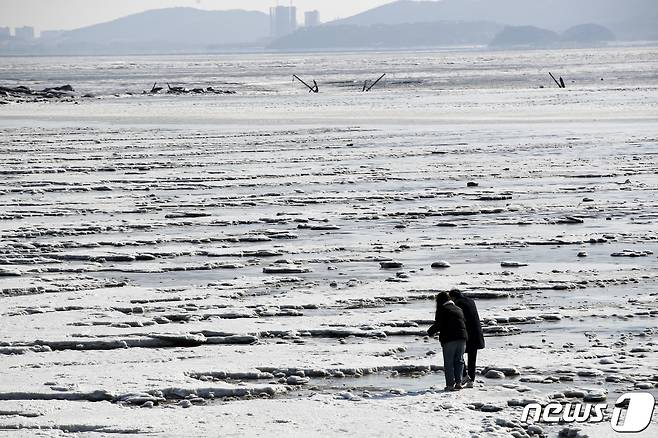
458 324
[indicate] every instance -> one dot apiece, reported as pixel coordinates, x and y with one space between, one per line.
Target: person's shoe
457 387
469 384
449 388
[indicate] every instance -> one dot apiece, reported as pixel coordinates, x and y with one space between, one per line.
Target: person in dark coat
474 330
449 323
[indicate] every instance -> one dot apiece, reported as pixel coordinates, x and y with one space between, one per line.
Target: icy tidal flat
265 262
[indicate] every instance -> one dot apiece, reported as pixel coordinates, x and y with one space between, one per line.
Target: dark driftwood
555 80
559 83
315 88
376 82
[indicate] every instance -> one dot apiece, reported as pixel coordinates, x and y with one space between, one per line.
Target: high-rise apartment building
283 20
312 18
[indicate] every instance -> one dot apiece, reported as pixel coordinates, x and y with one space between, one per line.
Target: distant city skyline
72 14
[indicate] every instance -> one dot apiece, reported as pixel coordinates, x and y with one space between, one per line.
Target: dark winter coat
473 325
449 323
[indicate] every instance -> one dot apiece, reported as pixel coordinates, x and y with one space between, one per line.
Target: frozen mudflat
264 263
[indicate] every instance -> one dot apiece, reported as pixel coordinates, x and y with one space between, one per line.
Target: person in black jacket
474 330
450 324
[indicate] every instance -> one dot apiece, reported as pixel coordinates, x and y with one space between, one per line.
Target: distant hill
531 36
525 36
168 29
389 36
587 34
556 15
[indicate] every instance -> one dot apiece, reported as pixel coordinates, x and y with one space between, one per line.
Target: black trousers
469 370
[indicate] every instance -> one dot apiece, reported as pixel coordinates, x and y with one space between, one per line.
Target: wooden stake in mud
374 83
555 80
315 88
560 84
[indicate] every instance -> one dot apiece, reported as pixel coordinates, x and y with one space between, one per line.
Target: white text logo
638 409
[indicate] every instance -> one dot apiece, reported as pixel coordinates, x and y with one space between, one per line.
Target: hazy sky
70 14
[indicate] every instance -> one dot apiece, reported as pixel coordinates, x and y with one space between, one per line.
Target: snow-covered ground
210 265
